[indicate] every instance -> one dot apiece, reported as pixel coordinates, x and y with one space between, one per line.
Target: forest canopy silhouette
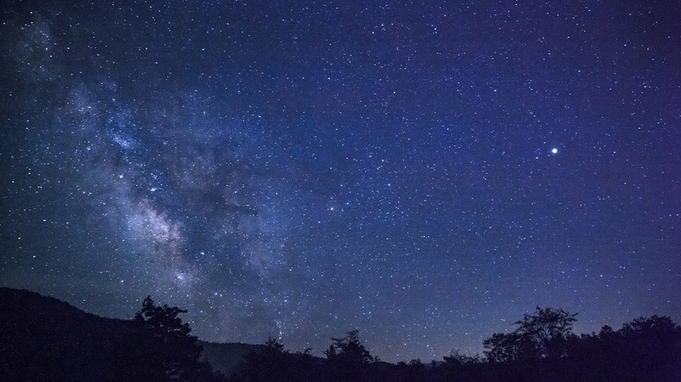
44 339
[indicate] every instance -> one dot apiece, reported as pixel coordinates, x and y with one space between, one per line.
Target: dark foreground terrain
45 339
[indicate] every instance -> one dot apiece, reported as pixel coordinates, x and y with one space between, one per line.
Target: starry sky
425 172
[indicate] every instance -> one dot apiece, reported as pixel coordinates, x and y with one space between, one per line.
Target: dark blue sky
423 172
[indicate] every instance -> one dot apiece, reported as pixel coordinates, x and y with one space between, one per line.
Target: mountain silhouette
46 339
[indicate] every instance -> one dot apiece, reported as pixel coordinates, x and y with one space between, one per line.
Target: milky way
423 173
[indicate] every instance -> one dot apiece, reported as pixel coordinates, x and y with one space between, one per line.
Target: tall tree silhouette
542 335
160 347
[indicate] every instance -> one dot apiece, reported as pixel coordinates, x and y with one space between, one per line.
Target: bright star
554 151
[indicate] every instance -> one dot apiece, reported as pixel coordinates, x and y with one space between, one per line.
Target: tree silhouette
349 350
43 339
160 348
542 335
264 364
646 349
348 359
653 345
272 363
458 366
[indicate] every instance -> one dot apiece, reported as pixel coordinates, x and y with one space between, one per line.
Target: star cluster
423 172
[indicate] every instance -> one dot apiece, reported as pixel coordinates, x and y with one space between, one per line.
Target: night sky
425 172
